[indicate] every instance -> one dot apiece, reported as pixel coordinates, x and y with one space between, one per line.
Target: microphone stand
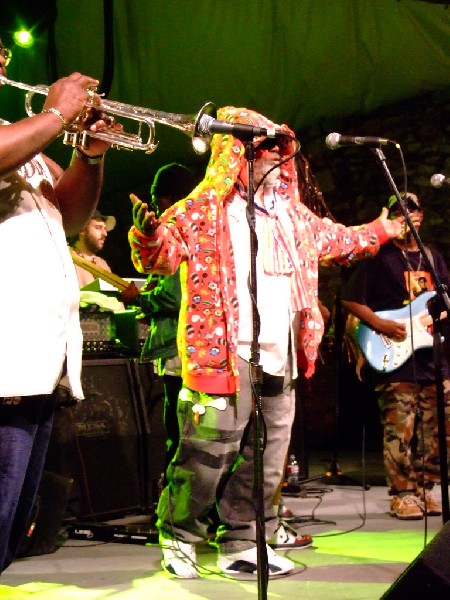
256 380
435 310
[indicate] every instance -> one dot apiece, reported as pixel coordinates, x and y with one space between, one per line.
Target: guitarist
89 242
87 245
407 395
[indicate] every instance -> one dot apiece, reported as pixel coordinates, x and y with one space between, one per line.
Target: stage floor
357 554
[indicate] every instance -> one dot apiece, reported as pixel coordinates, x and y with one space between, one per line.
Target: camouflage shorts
410 444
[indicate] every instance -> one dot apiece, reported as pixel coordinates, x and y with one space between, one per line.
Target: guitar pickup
387 341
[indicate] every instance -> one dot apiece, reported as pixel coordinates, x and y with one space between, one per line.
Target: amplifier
120 331
99 331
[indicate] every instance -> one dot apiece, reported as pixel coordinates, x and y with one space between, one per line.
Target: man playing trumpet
41 341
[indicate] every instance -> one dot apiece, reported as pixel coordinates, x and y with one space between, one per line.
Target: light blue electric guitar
385 354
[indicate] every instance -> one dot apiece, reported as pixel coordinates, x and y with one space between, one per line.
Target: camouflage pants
214 465
410 433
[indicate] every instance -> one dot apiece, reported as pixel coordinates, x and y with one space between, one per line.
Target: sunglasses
411 206
6 53
268 143
279 144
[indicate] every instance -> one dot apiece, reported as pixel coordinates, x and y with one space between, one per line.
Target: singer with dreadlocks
207 234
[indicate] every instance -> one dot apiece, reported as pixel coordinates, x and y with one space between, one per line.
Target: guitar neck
107 276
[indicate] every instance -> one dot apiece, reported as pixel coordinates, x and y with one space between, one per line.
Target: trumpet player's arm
390 328
78 188
22 140
155 247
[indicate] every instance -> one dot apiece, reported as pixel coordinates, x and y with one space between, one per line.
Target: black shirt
389 281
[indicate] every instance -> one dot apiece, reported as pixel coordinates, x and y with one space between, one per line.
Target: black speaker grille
98 443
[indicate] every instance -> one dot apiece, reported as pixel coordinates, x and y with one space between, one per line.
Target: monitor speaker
428 576
99 443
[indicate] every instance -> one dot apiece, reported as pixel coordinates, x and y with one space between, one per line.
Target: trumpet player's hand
70 95
74 97
95 120
143 219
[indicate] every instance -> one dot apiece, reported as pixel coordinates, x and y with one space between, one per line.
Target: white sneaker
237 563
179 558
286 537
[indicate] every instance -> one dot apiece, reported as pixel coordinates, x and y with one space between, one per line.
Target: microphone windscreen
437 180
332 140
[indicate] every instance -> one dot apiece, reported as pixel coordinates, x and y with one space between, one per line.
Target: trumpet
191 125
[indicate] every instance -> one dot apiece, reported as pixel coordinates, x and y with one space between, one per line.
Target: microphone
438 180
208 126
336 140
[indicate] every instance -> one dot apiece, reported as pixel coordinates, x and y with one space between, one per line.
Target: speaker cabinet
100 443
428 576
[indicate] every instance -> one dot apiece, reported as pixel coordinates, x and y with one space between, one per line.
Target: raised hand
143 219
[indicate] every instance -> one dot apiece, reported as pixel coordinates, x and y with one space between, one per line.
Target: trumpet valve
74 137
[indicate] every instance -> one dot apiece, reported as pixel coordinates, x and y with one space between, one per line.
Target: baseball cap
173 180
412 202
109 220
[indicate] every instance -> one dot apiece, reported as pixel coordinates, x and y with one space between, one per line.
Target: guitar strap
429 255
350 344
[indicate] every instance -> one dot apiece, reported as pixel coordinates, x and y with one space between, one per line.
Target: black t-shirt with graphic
389 281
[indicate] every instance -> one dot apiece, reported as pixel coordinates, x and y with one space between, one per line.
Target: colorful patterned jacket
194 234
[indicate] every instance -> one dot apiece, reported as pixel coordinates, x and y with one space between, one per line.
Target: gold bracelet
90 160
55 111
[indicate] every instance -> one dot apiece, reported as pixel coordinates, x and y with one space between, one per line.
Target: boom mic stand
442 300
256 380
